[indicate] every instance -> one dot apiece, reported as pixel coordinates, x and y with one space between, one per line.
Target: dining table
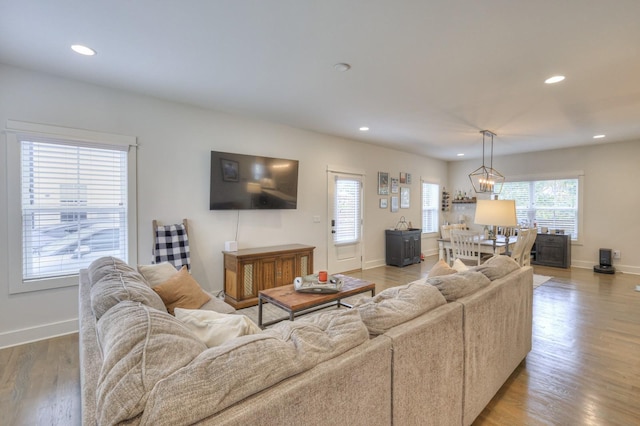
487 246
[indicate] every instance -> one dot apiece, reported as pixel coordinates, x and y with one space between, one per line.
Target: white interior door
345 222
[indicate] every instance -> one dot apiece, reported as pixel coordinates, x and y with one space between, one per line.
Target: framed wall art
383 183
394 204
405 197
384 203
394 185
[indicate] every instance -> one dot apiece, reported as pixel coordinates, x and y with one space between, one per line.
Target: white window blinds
347 210
73 206
429 207
547 203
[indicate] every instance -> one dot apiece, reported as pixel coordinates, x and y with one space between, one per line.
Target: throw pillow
497 267
459 266
214 328
455 286
158 273
441 268
181 291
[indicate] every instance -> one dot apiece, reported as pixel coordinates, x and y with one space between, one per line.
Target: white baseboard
585 264
374 263
41 332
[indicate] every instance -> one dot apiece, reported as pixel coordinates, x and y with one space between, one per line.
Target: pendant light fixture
486 179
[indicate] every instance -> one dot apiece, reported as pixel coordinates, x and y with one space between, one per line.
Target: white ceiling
426 76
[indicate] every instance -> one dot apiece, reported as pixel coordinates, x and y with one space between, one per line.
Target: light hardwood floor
584 368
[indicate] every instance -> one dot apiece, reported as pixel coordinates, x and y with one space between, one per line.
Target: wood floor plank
584 368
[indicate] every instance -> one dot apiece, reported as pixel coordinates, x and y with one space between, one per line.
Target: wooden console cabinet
248 271
552 250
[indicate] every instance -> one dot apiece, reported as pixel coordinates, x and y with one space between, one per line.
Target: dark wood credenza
248 271
552 250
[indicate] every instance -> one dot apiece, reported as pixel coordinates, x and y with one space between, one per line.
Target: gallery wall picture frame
403 177
405 197
394 204
384 203
394 185
409 178
383 183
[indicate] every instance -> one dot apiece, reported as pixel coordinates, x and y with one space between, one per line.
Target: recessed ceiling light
554 79
599 136
364 129
83 50
342 66
461 154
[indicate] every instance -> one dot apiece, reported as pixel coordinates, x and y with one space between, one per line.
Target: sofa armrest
90 351
217 305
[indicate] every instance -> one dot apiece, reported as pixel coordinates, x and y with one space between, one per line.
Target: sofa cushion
214 328
140 346
459 285
441 268
115 287
158 273
497 267
323 335
246 365
107 265
181 291
397 305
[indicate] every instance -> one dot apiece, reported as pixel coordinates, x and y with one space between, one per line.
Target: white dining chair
466 246
521 252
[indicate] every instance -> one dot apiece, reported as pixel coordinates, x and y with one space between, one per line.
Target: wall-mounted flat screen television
245 182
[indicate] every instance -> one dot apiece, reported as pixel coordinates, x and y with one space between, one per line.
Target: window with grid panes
547 203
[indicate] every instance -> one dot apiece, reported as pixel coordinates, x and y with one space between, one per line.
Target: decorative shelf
472 201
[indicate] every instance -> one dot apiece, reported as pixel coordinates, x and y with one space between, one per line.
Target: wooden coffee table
295 303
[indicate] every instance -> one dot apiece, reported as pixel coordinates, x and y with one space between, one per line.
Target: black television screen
241 182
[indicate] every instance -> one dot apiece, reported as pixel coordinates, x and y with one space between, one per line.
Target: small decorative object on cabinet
248 271
552 250
403 247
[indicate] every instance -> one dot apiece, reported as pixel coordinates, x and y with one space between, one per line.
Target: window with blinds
73 206
430 201
347 210
547 203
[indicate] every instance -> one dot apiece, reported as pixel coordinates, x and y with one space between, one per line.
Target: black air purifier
605 266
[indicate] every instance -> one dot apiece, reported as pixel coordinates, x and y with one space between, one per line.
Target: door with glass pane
345 222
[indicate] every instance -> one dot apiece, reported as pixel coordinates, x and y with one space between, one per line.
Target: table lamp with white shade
496 213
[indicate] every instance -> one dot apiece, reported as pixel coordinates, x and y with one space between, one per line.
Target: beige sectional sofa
407 356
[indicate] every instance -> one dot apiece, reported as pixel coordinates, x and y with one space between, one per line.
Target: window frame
436 208
357 220
577 175
16 131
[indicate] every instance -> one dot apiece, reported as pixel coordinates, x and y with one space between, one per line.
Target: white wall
173 183
611 194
